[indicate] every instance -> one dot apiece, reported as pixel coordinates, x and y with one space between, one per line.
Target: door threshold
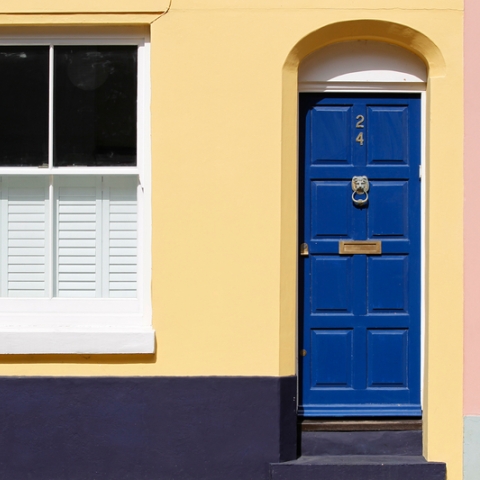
358 425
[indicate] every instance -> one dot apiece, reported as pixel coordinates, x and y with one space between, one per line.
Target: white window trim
98 325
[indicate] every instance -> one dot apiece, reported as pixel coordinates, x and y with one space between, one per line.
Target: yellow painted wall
224 183
82 6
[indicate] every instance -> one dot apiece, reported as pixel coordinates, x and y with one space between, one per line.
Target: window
73 196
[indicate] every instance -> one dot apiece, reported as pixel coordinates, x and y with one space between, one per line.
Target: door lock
304 250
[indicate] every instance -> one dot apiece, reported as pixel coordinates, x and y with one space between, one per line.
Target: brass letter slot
360 248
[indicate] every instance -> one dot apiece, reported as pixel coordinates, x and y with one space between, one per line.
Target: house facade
270 198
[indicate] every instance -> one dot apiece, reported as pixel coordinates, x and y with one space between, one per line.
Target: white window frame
93 325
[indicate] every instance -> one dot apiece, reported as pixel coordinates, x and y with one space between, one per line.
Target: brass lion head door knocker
360 186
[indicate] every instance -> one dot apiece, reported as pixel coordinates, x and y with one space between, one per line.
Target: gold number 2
359 138
360 119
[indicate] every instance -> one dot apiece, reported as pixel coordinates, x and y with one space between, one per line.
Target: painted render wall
224 166
472 236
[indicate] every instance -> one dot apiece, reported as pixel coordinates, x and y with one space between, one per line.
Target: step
358 467
311 443
359 425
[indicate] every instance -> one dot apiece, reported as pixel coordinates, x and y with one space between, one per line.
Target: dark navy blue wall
153 428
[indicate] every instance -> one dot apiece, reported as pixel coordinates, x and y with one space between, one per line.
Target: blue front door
359 351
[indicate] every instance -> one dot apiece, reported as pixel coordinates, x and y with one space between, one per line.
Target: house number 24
360 119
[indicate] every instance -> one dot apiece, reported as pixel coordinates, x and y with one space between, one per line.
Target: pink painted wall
472 209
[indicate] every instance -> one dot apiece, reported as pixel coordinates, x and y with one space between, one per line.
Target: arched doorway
360 230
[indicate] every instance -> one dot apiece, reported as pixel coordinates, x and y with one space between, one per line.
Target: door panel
387 358
335 347
332 278
331 125
360 314
388 210
331 212
387 280
387 135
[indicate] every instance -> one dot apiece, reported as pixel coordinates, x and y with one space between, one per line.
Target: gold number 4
359 138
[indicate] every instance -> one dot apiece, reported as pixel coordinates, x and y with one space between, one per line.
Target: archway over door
360 262
379 31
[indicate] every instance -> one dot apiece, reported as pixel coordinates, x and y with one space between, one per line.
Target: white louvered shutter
25 227
78 236
120 234
96 237
93 238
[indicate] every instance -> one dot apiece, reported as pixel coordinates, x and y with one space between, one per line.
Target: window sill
77 341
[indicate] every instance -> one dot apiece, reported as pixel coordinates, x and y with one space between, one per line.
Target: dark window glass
23 106
95 106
